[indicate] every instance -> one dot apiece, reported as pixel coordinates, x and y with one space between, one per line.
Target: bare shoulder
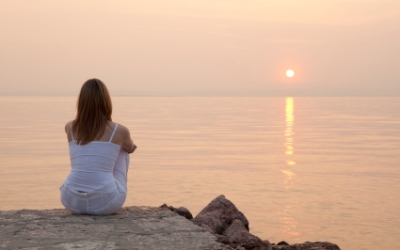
123 138
123 131
68 126
122 135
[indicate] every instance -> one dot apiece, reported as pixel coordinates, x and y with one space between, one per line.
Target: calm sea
300 169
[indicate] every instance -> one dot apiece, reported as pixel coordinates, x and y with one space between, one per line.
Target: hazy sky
201 47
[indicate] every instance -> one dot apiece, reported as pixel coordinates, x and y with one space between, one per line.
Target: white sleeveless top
92 166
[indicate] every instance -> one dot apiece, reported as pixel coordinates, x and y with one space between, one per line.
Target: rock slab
136 228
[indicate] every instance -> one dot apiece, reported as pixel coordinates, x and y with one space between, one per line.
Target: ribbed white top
92 166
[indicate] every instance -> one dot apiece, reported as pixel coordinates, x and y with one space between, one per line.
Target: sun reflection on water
289 224
289 125
289 112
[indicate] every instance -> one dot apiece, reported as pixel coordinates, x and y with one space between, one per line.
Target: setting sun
289 73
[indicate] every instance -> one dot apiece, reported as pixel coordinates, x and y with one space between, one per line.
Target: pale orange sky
219 47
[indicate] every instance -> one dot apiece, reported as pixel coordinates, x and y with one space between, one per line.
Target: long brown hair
94 110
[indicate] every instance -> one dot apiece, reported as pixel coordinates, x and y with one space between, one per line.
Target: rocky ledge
230 226
220 225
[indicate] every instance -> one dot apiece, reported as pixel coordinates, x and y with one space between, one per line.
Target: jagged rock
219 214
307 246
237 236
229 225
182 211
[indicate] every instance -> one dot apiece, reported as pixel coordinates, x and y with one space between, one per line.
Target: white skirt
96 203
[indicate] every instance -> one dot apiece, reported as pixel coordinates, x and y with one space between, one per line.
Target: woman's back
92 164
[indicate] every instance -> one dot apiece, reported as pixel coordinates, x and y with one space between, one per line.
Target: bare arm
127 143
68 130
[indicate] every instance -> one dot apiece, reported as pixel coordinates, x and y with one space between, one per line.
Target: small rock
184 212
283 243
165 206
268 244
308 246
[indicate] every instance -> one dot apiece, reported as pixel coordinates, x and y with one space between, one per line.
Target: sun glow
289 73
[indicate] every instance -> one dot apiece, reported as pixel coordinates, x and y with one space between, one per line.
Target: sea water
299 168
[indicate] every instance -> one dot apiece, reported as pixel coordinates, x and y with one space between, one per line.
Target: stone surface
130 228
219 214
307 246
222 227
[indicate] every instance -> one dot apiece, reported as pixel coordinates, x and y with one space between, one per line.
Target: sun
289 73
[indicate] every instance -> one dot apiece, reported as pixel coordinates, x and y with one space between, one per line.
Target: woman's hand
125 139
134 147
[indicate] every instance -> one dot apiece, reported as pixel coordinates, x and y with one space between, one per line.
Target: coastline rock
221 218
307 246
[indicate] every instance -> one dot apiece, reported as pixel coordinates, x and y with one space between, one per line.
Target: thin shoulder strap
115 129
72 134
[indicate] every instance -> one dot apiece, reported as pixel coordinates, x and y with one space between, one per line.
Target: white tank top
92 166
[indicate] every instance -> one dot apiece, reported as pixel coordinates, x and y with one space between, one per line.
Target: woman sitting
99 151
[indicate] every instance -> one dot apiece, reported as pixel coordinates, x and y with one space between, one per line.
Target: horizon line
204 95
